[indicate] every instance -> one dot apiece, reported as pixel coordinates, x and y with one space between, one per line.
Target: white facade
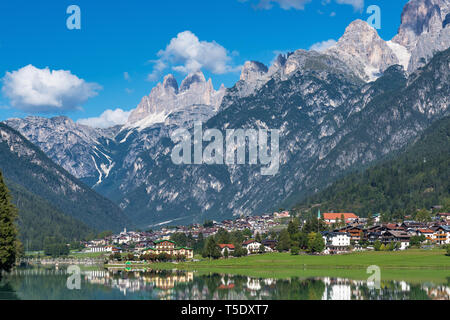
337 239
252 247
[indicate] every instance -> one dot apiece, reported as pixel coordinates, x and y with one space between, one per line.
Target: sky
124 48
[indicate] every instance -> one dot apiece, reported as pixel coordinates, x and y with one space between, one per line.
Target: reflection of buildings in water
165 286
438 293
337 292
253 284
345 289
169 282
405 287
138 281
342 289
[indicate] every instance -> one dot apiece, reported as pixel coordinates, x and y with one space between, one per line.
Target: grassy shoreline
409 259
412 265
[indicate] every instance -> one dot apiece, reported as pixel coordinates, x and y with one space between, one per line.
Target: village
346 233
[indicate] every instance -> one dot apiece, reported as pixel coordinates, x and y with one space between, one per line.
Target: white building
252 246
336 241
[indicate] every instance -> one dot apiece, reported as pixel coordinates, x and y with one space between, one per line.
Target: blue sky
112 62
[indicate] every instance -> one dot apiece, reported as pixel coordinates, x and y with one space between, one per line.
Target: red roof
426 230
336 216
248 242
226 245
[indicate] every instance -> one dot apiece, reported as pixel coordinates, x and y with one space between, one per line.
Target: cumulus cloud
324 45
186 53
48 91
356 4
107 119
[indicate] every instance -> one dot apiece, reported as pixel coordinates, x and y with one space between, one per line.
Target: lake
101 284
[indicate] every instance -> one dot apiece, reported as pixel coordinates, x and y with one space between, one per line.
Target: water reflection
37 284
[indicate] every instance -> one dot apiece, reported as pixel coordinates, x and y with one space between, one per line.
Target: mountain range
339 110
416 178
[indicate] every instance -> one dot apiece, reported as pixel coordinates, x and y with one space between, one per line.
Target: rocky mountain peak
170 83
253 70
192 78
362 48
423 30
419 17
167 97
359 26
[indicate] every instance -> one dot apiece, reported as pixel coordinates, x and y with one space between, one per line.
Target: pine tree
9 244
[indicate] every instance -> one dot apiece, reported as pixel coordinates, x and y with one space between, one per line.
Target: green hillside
51 202
38 220
414 179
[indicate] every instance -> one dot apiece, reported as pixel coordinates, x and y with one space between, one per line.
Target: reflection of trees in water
142 284
394 290
6 291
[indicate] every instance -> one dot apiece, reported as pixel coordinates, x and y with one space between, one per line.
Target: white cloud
107 119
322 46
300 4
186 53
43 90
284 4
357 4
126 76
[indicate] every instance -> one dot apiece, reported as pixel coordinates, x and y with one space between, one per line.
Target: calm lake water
51 284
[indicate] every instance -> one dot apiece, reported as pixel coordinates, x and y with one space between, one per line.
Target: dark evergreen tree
9 243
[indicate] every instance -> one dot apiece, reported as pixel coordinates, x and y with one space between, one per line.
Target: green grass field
414 258
413 265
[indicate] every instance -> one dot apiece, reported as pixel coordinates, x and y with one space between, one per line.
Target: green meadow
413 265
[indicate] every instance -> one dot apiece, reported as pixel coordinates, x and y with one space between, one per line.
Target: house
270 245
442 235
226 246
170 248
354 231
252 246
284 214
393 226
377 218
396 236
428 233
95 249
336 242
331 218
444 216
373 236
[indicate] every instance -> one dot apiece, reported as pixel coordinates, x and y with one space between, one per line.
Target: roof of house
226 245
398 234
334 233
335 216
426 230
160 241
248 242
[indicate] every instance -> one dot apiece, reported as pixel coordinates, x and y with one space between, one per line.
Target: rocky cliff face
423 30
166 97
83 151
362 48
